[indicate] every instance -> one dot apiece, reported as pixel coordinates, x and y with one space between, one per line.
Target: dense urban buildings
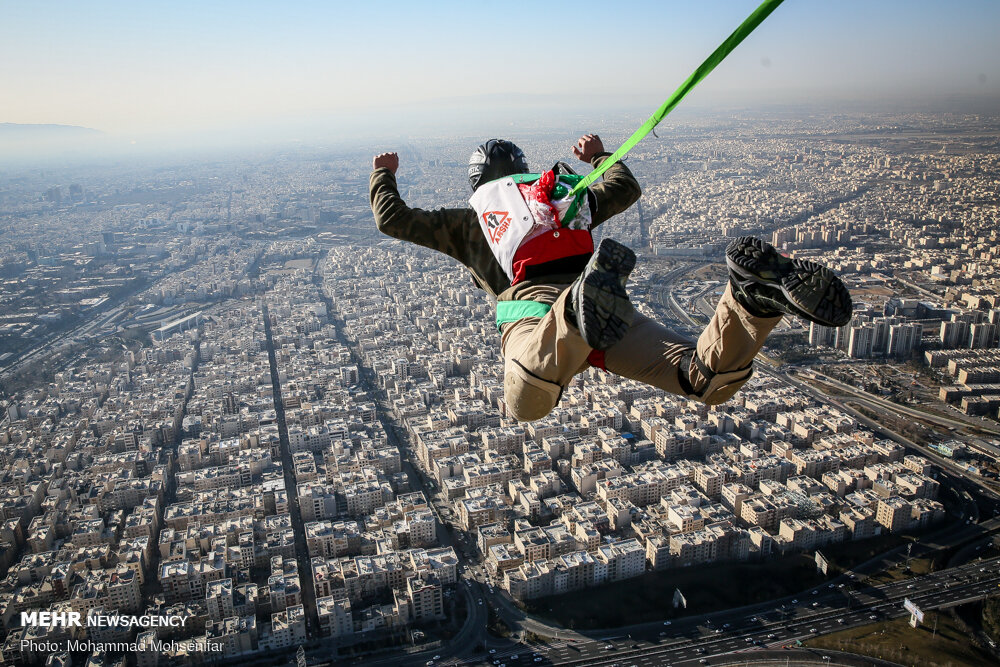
226 398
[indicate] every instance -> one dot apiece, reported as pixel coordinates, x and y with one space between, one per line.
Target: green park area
946 645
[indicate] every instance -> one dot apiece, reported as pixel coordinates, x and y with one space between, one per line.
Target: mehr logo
497 223
51 619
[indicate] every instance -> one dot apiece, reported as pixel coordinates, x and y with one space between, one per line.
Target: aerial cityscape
228 399
400 334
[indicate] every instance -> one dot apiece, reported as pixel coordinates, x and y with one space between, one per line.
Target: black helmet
495 159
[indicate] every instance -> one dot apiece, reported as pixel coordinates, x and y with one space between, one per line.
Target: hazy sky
153 67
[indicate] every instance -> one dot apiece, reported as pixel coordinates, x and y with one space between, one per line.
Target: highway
770 625
50 343
827 609
662 294
940 420
946 464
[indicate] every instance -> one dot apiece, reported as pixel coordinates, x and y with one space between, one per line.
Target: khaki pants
542 354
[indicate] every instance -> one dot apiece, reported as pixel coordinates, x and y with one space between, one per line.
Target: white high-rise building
904 338
954 334
859 345
821 336
982 336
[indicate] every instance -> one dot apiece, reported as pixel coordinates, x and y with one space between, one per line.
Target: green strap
512 311
752 21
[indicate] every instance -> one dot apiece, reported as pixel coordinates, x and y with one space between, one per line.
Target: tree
991 618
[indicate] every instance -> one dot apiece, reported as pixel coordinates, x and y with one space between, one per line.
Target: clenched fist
388 160
587 147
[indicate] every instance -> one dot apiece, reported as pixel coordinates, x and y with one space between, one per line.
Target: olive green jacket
456 231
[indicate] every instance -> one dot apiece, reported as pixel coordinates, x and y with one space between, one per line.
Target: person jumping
562 306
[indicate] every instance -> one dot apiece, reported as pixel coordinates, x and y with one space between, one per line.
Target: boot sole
604 312
811 290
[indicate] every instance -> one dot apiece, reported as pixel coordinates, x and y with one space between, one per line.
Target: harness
535 225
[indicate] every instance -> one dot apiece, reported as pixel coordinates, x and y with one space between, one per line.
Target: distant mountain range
34 131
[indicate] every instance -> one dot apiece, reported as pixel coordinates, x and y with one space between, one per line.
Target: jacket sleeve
445 230
615 192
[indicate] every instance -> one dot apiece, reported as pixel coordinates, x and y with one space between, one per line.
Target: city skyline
234 72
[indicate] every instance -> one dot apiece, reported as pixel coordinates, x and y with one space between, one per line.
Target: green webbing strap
512 311
717 57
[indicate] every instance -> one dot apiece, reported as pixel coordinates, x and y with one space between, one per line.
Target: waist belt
512 311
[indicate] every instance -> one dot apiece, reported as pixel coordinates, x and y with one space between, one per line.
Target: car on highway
666 622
